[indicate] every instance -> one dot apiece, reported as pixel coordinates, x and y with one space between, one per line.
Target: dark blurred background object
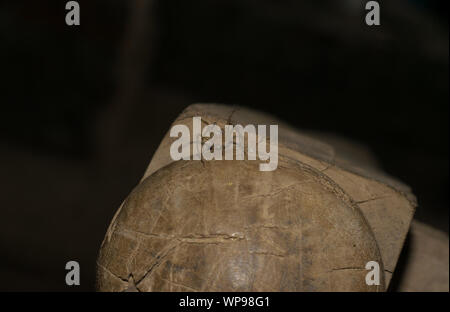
84 107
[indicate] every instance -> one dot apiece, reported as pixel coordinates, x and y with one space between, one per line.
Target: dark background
83 108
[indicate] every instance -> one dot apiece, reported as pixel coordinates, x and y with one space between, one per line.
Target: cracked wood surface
224 225
202 227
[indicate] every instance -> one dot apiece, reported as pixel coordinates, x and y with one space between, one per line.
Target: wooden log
223 225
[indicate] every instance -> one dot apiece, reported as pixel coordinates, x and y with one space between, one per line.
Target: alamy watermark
213 148
73 276
373 277
73 16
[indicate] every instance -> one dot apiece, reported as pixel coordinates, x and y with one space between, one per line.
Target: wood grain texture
310 225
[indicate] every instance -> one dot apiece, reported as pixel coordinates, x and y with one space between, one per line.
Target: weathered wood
310 225
426 266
